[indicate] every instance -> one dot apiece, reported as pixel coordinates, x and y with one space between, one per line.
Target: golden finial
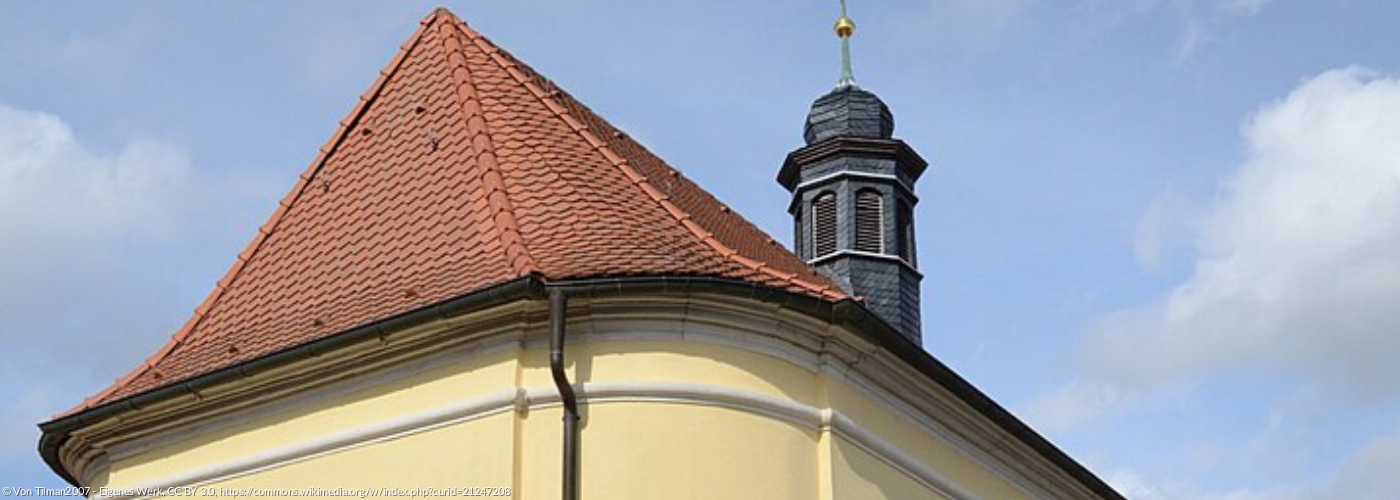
845 27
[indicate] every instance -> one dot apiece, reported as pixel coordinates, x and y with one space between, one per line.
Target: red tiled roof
459 169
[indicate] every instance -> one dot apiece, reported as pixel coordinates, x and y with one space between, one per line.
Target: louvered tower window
824 225
869 222
797 246
905 217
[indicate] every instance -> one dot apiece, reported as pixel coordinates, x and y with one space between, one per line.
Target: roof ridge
265 230
503 211
632 175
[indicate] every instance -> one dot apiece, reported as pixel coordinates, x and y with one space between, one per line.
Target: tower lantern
853 198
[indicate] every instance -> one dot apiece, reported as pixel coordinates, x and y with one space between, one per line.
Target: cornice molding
534 398
760 327
906 159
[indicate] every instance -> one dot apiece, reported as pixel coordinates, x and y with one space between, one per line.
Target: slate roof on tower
461 168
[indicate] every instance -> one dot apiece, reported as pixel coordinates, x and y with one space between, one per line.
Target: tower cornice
909 162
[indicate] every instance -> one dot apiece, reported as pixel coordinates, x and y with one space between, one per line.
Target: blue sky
1164 232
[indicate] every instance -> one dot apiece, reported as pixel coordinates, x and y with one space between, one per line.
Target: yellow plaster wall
630 449
472 377
474 453
673 451
857 474
938 454
675 361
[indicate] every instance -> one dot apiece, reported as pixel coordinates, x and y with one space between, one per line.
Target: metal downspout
558 304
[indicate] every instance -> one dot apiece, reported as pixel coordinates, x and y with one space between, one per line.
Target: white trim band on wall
500 402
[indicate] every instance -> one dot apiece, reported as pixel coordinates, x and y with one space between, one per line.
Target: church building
481 288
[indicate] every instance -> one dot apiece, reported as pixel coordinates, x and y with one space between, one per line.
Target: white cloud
1165 229
83 228
1296 276
1076 404
1298 267
92 244
1368 474
55 193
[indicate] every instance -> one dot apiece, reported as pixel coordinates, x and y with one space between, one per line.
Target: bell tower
853 199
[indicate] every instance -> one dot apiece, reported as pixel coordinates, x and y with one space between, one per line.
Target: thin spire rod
845 27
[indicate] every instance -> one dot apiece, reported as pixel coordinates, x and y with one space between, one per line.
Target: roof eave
846 312
55 432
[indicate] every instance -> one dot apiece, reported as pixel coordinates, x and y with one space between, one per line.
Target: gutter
558 307
848 313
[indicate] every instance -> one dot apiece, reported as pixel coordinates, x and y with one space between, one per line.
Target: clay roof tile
459 169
